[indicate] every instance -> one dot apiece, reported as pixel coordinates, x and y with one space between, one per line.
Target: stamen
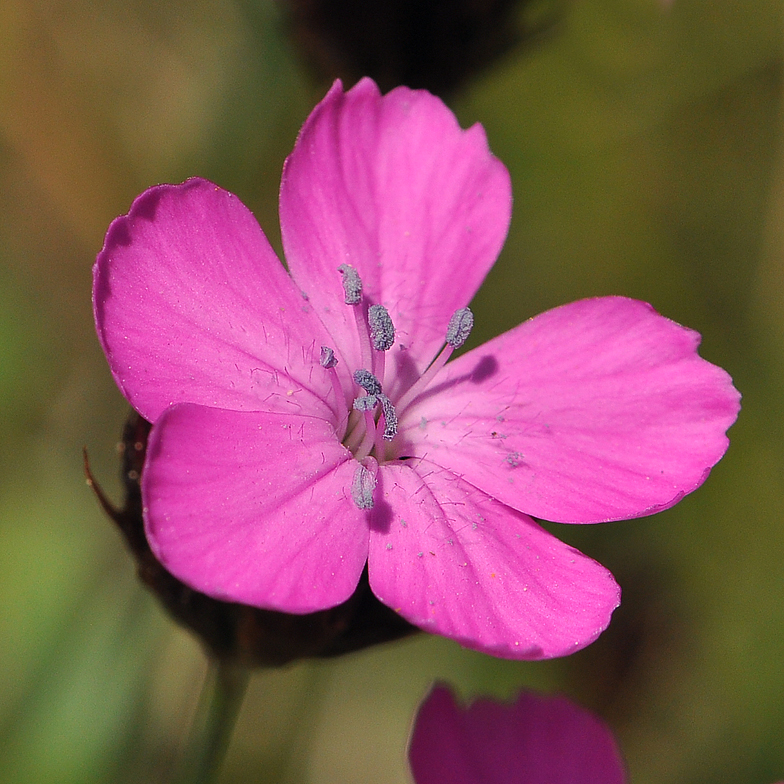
362 488
354 430
390 427
370 436
390 417
456 334
382 330
365 350
366 403
352 284
367 381
460 326
379 362
352 288
328 359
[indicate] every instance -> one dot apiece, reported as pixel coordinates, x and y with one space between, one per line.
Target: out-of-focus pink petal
192 305
598 410
254 507
455 562
394 187
535 740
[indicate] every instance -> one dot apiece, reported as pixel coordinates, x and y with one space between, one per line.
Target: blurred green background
645 146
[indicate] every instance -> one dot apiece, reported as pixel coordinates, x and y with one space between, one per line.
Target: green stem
219 705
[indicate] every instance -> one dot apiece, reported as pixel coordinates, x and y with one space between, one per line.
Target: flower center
370 424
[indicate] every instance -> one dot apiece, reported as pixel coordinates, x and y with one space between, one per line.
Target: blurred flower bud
434 44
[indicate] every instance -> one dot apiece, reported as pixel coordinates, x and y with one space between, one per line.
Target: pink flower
534 740
290 449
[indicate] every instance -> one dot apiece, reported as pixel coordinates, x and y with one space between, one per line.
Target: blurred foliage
644 143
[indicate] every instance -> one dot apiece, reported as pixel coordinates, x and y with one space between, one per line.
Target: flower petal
254 507
455 562
394 187
192 305
534 740
597 410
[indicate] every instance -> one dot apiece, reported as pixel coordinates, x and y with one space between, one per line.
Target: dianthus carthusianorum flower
534 740
307 423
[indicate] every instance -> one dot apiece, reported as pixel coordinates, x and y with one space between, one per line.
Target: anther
352 284
460 326
367 381
328 359
390 417
382 330
362 488
366 402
